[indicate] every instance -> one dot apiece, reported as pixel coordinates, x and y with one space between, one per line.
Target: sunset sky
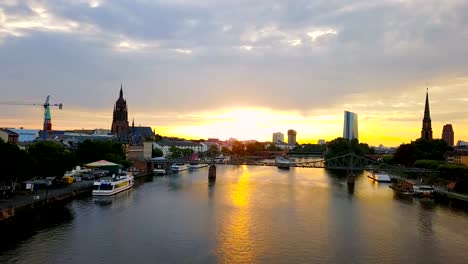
242 69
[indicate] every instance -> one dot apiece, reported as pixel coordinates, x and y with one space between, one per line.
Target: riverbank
19 205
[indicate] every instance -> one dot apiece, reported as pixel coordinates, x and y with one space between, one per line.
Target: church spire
427 113
121 91
426 132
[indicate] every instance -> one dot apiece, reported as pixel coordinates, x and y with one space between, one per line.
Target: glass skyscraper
350 130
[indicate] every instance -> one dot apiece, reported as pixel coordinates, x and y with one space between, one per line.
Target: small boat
159 171
379 177
423 190
179 167
402 187
194 166
283 163
113 185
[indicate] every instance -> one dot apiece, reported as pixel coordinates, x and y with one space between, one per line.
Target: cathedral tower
120 119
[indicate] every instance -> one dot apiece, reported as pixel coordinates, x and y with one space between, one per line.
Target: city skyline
206 73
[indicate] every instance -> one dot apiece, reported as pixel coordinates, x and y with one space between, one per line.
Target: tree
421 149
15 163
251 148
273 147
175 152
341 146
238 148
50 159
157 152
89 151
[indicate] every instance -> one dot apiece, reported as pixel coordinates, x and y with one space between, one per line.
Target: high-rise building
426 132
448 134
321 142
351 129
120 126
292 137
278 137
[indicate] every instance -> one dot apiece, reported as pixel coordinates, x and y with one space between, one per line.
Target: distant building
462 144
26 135
165 146
321 142
351 129
458 157
140 134
9 136
426 132
278 137
292 137
448 134
120 119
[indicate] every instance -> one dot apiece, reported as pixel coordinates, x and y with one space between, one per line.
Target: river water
250 215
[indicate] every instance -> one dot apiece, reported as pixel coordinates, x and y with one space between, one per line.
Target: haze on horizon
239 69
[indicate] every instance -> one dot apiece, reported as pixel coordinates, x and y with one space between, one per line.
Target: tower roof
427 113
121 100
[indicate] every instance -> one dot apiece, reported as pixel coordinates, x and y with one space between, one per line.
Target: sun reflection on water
236 243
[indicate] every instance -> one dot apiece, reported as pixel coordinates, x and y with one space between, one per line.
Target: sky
242 69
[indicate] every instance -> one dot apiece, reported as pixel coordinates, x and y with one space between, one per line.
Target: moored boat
379 176
283 163
113 185
179 167
423 190
195 166
403 187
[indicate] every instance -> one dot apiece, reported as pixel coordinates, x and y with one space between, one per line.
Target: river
250 215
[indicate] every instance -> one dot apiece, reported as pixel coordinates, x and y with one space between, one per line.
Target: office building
351 129
292 137
448 134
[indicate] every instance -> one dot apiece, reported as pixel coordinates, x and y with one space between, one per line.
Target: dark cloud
383 46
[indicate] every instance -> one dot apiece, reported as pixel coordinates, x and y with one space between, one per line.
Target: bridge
348 162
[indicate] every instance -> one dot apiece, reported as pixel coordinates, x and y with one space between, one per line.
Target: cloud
306 56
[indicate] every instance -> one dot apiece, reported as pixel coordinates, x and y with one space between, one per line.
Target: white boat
379 177
159 171
110 186
179 167
283 163
423 190
197 166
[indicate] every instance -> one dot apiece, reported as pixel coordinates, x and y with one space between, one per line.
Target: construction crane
47 128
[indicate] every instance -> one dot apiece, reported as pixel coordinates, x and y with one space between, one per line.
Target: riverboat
159 171
379 176
423 190
195 166
402 187
180 167
113 185
283 163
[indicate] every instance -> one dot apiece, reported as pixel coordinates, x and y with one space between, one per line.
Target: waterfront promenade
8 205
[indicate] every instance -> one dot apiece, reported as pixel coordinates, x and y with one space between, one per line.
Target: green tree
341 146
273 147
50 159
252 148
175 152
15 163
90 151
421 149
238 148
157 152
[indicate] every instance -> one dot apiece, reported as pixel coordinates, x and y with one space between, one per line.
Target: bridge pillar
212 173
350 177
